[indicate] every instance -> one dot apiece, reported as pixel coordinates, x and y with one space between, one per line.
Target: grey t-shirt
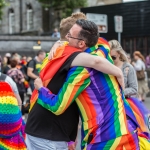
36 68
12 84
130 79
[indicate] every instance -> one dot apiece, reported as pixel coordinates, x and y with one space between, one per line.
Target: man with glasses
99 97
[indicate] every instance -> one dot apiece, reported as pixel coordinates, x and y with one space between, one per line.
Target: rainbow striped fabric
125 142
49 68
142 115
99 98
11 124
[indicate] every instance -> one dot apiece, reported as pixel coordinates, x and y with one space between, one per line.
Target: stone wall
15 5
24 44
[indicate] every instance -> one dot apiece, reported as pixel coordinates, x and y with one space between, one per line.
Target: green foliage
2 4
67 6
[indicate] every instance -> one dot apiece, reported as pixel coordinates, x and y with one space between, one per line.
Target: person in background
131 87
13 86
33 67
17 57
120 60
139 66
24 60
29 58
56 34
129 58
12 136
147 62
18 78
6 63
14 54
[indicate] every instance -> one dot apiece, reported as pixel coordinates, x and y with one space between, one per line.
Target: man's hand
121 80
38 83
53 50
72 146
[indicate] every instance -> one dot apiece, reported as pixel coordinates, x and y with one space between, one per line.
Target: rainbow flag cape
12 133
142 115
49 68
144 141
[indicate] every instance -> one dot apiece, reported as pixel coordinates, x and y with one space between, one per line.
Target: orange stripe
85 105
134 108
138 115
75 89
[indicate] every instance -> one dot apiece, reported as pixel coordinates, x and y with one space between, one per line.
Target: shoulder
9 80
31 63
12 84
128 65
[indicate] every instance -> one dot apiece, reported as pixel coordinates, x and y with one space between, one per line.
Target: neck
63 39
119 64
37 58
83 49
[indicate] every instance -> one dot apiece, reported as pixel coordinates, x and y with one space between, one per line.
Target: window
11 22
29 18
133 0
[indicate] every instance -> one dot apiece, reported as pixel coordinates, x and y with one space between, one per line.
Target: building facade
136 24
102 2
21 16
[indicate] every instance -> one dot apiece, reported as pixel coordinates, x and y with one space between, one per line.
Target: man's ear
82 44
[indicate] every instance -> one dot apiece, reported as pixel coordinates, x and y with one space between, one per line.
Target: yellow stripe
143 143
8 100
101 54
45 61
84 114
120 106
116 143
69 91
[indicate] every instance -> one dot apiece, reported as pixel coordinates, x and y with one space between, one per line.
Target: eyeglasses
69 36
113 57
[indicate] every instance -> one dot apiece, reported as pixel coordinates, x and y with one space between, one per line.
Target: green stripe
9 109
71 80
114 97
109 144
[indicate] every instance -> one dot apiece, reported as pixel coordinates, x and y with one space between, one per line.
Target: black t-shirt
44 124
5 69
36 68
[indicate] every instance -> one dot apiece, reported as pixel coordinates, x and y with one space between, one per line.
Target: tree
67 6
2 4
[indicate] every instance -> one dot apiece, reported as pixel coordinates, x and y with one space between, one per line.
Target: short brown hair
78 15
13 63
67 23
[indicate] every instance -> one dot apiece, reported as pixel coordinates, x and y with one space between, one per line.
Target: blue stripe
9 118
